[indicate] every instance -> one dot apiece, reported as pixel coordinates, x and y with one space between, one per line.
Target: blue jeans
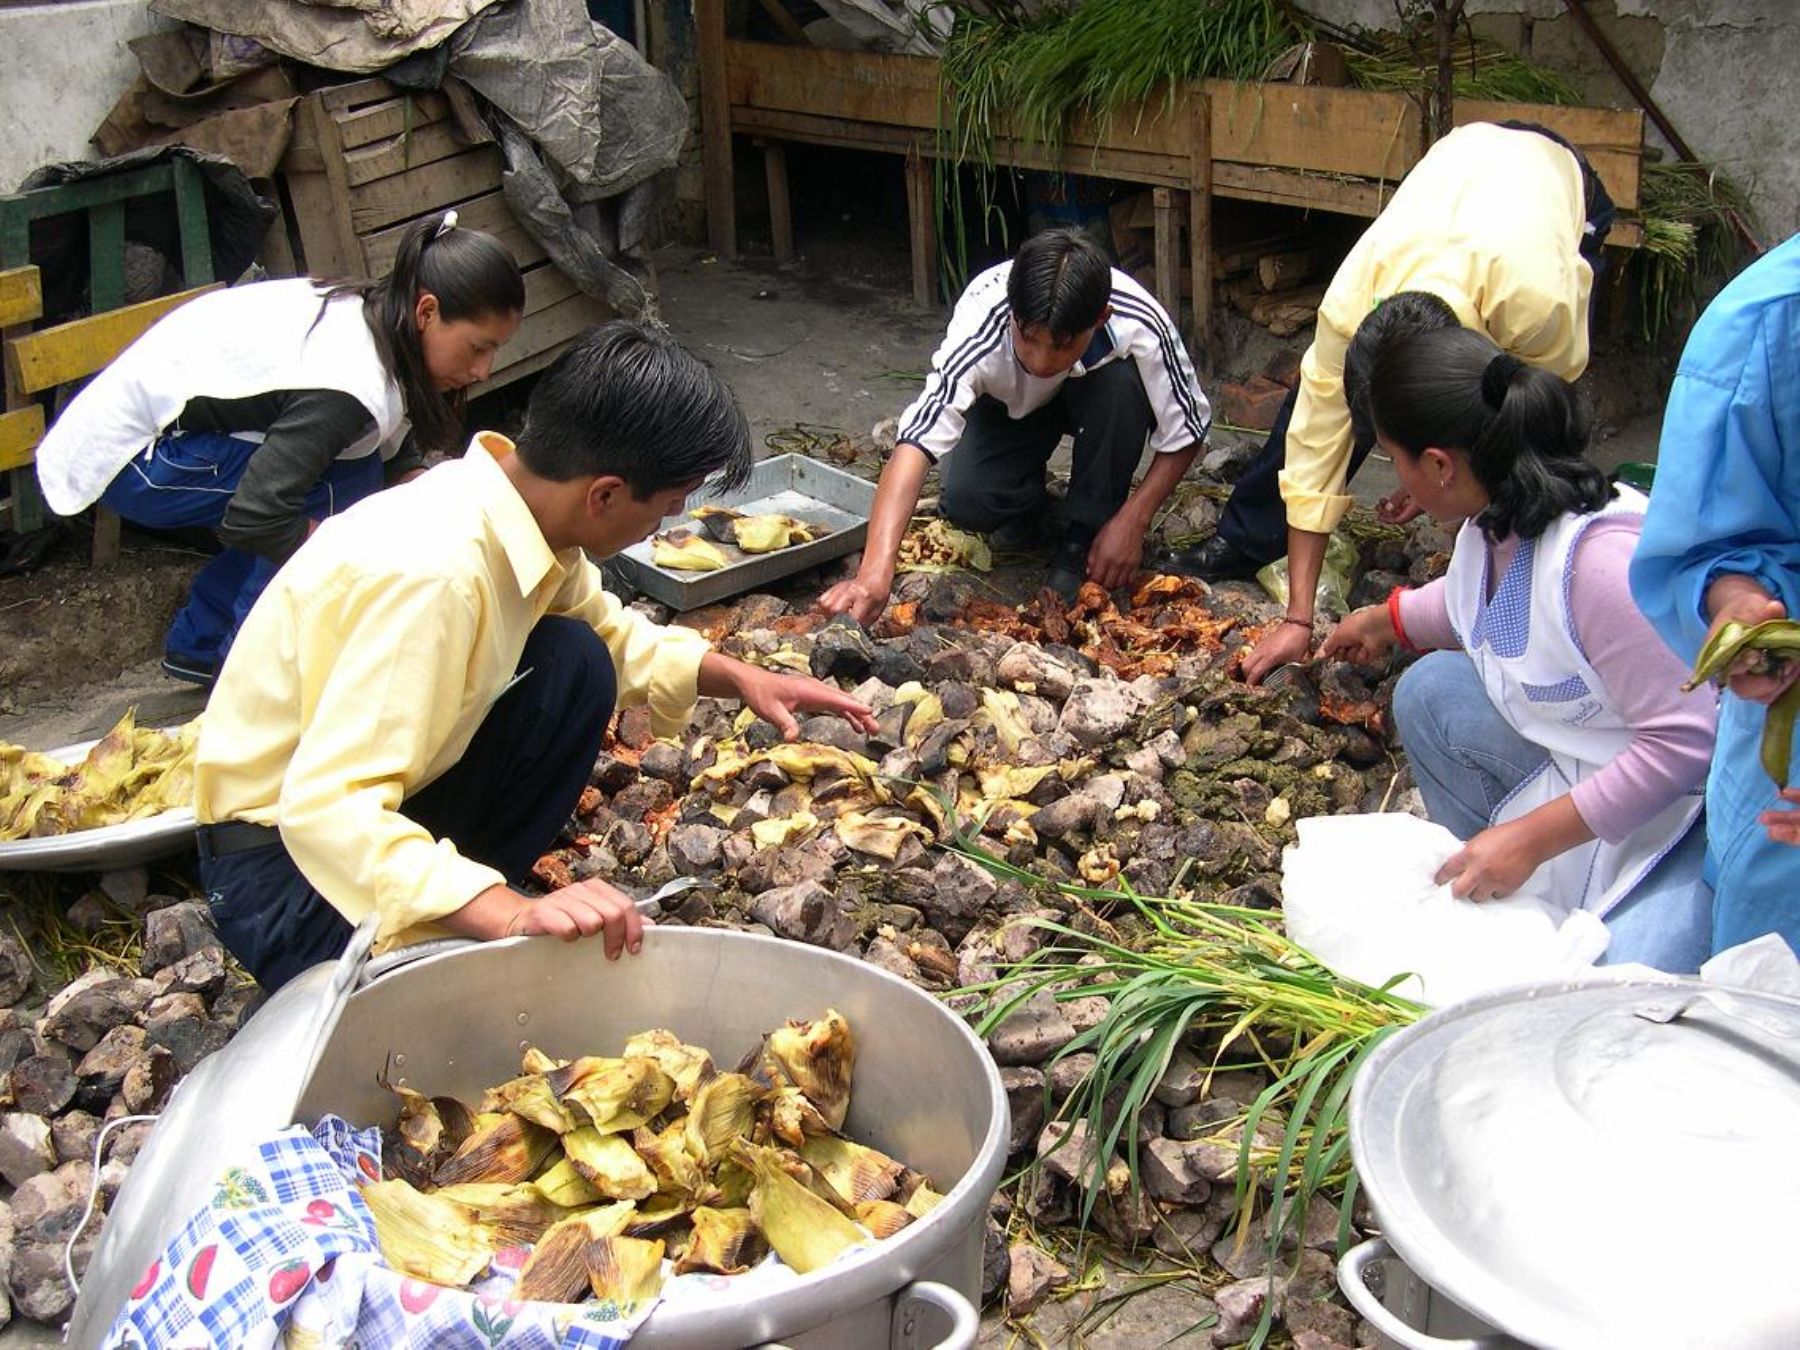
1467 759
503 804
186 482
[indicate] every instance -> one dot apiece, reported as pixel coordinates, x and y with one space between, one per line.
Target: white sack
1359 895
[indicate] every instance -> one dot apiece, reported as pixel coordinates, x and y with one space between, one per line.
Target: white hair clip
445 225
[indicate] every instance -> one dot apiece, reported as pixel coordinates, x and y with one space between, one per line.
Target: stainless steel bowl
925 1091
1588 1165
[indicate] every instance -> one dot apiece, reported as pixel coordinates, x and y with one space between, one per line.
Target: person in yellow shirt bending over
1502 224
412 708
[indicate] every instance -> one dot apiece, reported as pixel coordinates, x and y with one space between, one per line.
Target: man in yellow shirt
1502 224
412 708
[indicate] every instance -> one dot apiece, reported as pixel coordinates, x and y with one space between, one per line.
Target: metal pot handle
1351 1271
965 1320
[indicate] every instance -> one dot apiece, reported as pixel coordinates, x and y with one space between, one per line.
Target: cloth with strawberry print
284 1253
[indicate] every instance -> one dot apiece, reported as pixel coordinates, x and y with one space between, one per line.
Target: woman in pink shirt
1546 725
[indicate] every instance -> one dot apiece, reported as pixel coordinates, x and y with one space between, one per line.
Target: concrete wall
1721 70
62 67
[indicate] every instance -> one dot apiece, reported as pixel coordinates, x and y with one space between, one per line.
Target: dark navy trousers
502 804
186 481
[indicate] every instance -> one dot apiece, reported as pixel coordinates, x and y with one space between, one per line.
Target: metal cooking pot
453 1021
1583 1165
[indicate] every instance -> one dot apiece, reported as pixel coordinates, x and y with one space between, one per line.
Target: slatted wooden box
367 159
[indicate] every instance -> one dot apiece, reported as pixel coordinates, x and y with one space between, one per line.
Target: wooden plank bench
368 159
38 362
101 200
1314 147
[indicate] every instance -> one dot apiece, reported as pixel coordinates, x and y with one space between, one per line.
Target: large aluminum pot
925 1091
1583 1166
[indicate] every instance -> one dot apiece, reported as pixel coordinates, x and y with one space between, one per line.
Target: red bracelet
1393 609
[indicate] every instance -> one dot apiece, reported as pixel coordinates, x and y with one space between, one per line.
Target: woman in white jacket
259 410
1546 725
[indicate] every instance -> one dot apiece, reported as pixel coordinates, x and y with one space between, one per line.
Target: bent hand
776 698
1397 508
586 909
1783 823
1282 645
1492 865
1741 599
1364 638
1116 554
857 598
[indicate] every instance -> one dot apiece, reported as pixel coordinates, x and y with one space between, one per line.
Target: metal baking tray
793 485
106 846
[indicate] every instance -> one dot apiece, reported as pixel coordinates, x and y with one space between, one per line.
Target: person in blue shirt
1722 542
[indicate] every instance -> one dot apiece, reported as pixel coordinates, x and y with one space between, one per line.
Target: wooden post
715 128
1200 168
781 215
1168 246
921 209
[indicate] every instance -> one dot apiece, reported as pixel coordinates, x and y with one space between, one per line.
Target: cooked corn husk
881 837
688 554
927 715
688 1065
804 760
779 831
427 1237
131 772
723 1111
922 1201
657 1214
530 1097
792 1118
676 1169
1000 707
426 1135
624 1271
518 1215
616 1094
610 1163
564 1185
805 1231
717 521
856 1172
724 1241
769 533
818 1058
883 1218
535 1060
503 1147
556 1272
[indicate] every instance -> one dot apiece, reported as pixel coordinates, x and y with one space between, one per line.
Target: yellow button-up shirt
364 670
1490 221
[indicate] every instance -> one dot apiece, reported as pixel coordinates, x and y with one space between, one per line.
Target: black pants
1254 520
501 804
995 476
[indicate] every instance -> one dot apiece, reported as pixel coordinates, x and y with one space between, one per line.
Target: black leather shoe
1068 569
1217 559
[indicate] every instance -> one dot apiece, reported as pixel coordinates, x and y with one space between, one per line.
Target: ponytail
473 277
1524 430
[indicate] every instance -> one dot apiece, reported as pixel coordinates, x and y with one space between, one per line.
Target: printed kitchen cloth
284 1253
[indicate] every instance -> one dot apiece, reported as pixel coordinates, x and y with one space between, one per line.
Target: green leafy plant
1227 976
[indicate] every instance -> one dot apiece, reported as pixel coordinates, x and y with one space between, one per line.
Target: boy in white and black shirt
1054 342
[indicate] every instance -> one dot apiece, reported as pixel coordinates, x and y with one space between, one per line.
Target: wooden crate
1314 134
367 160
